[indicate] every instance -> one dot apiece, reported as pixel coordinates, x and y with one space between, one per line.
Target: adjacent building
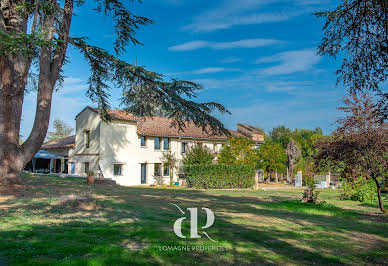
129 148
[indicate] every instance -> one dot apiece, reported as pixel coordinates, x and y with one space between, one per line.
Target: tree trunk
13 78
288 175
276 177
268 177
381 206
11 102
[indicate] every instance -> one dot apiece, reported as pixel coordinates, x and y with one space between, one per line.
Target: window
86 167
166 143
142 141
157 143
166 170
87 138
117 169
157 169
184 147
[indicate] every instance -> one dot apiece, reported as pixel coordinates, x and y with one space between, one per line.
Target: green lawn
126 225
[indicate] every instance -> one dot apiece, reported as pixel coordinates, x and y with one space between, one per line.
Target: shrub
198 154
212 176
359 190
307 180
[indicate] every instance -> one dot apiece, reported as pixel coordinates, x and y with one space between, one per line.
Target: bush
359 190
213 176
307 180
198 154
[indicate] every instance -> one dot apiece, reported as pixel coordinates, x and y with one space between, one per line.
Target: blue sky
257 57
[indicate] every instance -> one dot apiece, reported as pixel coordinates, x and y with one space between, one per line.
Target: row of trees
283 151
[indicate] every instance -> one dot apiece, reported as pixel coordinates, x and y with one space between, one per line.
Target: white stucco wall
118 143
86 120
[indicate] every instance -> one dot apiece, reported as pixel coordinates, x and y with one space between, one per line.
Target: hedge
213 176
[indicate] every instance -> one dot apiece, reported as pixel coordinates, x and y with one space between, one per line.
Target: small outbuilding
45 163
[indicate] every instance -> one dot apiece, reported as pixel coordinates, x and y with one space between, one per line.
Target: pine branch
145 92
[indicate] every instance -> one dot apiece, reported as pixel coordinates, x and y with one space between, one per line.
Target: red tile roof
65 143
160 126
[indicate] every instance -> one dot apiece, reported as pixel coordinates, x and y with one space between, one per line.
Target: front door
143 173
72 168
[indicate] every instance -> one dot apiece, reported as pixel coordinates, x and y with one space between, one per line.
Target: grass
127 225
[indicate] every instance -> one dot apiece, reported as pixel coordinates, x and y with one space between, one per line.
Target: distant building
129 148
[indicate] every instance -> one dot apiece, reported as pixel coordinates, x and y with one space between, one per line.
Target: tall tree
37 33
358 31
272 158
360 141
280 134
239 150
293 152
61 130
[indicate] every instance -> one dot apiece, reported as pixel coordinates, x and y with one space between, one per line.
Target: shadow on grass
130 225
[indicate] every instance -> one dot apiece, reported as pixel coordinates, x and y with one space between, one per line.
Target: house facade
129 149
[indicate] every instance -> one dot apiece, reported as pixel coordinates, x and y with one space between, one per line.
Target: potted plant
90 177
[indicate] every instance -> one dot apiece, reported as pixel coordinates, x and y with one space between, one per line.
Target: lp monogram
193 222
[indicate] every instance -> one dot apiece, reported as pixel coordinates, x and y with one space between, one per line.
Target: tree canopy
357 31
239 150
34 38
360 142
61 130
272 156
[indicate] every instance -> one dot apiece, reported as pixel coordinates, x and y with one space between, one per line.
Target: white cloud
289 62
206 70
225 23
231 59
213 70
250 12
246 43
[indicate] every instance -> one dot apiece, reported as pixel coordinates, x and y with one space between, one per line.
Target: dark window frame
120 171
166 170
166 140
157 143
159 172
87 132
183 147
143 141
86 167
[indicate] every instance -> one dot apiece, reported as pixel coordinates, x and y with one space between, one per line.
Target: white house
129 148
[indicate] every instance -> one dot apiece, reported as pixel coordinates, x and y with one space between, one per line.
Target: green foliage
239 150
13 43
272 156
90 173
145 92
220 176
198 154
62 130
304 140
281 135
359 190
171 161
